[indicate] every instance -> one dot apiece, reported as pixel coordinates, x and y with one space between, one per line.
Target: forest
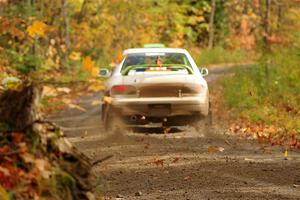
64 43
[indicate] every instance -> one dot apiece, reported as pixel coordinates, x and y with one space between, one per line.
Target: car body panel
162 93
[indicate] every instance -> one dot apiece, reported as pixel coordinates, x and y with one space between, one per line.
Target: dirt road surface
183 164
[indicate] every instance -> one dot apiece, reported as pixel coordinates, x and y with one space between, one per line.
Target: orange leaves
265 134
10 26
17 137
89 65
166 130
103 168
166 161
21 168
159 162
17 33
37 29
212 149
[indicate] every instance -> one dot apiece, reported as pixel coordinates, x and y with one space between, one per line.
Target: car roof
154 50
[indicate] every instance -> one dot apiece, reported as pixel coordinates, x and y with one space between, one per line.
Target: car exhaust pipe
133 118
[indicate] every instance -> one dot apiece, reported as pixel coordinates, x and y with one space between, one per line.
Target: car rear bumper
173 106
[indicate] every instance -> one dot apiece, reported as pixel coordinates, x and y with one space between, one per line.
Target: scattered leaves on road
147 146
159 162
103 168
166 130
175 160
213 149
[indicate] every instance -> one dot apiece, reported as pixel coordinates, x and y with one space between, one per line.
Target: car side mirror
203 71
104 73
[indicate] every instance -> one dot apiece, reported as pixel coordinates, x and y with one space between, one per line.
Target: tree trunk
267 25
19 113
19 108
66 23
211 24
266 43
82 11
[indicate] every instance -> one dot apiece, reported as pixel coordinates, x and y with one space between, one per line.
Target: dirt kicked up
183 164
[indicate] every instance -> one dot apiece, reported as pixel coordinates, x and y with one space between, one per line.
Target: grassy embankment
219 55
267 95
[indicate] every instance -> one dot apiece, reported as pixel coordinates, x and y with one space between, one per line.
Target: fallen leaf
166 130
187 178
159 162
221 149
211 149
146 146
103 168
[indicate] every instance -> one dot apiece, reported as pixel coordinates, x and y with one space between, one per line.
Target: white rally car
155 85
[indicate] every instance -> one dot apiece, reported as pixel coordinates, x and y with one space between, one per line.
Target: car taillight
192 89
123 90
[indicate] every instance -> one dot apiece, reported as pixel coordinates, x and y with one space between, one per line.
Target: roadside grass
220 55
268 94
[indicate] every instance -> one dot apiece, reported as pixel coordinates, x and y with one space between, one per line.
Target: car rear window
140 59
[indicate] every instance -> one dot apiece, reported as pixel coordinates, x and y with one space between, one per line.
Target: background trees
68 40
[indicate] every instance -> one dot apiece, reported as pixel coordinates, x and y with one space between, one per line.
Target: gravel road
183 164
